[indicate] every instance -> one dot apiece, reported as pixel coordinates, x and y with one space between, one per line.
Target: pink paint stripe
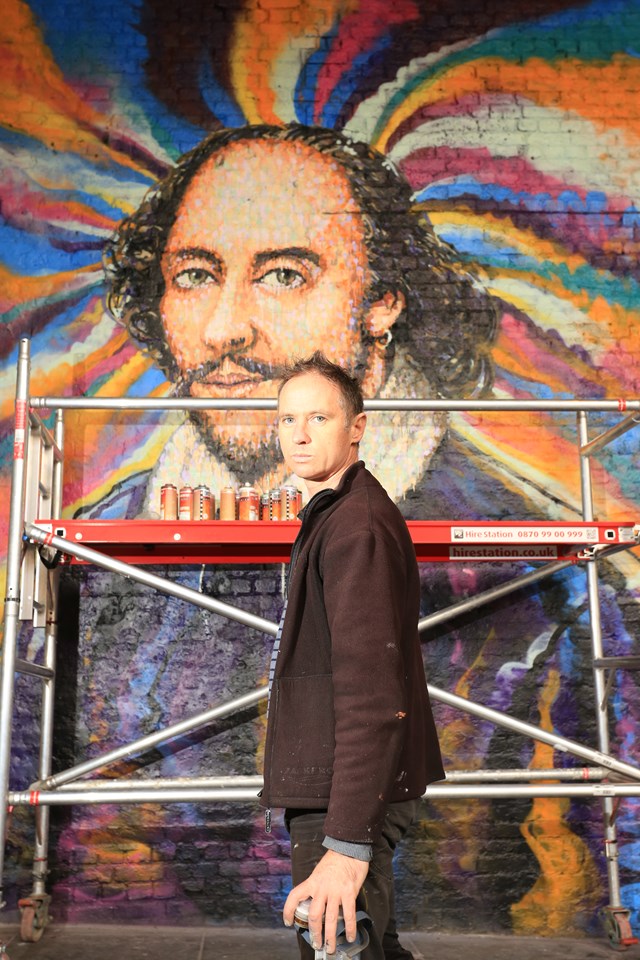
569 226
357 33
465 106
22 205
553 360
104 367
435 164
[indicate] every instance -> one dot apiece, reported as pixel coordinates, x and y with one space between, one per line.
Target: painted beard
245 441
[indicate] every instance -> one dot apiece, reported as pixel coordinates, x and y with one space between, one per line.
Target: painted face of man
266 261
318 439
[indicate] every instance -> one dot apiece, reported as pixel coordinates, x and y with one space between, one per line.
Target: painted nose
229 327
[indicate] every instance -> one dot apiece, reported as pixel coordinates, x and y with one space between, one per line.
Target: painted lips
224 388
228 379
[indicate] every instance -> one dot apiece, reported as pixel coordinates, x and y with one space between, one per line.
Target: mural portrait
269 242
445 204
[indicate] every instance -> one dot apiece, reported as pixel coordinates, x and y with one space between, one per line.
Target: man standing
351 742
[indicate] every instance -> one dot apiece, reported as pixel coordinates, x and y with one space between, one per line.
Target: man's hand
335 883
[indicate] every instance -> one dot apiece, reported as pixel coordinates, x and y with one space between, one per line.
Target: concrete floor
62 942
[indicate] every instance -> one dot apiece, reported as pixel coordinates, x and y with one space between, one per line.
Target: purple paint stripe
433 164
465 106
566 213
554 356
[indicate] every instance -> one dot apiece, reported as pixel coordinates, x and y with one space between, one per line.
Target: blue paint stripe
218 100
59 300
149 381
72 166
566 201
475 245
90 39
351 79
32 255
305 90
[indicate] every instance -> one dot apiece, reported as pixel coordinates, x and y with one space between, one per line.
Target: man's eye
193 277
282 277
319 418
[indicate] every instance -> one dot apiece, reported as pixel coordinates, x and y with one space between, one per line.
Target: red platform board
215 541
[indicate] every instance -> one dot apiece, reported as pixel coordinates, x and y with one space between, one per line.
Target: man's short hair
449 322
349 386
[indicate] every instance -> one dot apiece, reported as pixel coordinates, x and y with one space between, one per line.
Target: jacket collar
323 498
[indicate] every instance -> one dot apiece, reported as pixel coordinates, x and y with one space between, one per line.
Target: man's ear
381 315
357 427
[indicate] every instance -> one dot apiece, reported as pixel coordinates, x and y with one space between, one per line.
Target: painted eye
193 277
282 278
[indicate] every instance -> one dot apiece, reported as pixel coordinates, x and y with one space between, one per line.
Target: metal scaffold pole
12 599
615 915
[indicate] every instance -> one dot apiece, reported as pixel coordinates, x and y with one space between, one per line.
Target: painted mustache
229 371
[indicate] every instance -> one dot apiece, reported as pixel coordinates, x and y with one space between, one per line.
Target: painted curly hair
449 322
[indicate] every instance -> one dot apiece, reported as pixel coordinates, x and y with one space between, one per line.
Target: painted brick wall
517 131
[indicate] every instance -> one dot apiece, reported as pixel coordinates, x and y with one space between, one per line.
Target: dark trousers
376 896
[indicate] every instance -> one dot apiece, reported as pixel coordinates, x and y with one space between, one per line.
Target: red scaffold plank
215 541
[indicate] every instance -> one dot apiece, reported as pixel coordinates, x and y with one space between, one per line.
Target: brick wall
517 131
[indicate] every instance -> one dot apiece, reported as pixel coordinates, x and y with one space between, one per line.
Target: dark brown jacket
350 725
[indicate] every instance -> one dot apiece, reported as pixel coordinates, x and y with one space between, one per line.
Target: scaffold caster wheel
34 917
618 928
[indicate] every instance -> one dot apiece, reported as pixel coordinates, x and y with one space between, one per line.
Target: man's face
317 438
266 261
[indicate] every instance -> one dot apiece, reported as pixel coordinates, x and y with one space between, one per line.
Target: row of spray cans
245 503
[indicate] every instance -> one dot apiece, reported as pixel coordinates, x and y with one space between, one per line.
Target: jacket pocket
303 736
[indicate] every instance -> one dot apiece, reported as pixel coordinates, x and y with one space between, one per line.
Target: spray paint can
275 501
248 503
203 503
228 503
288 502
185 507
169 501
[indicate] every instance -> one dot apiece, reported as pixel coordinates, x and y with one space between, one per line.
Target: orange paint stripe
538 452
37 100
567 85
567 872
21 290
261 35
